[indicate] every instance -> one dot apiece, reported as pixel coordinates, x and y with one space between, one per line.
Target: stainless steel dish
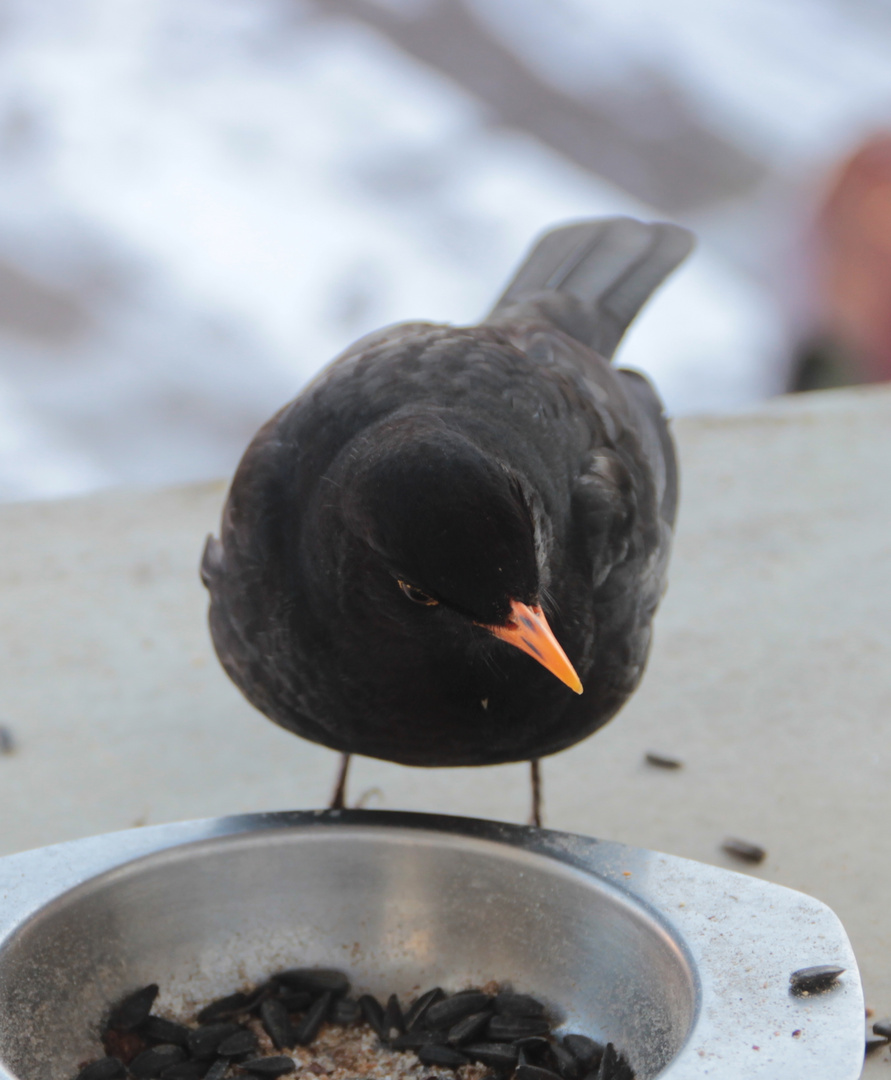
685 966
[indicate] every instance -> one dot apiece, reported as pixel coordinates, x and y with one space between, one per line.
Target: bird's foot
535 818
338 798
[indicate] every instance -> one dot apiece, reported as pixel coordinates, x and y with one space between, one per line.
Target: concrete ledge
770 677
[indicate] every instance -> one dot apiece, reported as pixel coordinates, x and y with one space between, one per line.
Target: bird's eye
416 595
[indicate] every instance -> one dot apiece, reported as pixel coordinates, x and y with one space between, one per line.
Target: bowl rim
736 933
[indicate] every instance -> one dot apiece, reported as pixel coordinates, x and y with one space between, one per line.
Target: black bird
452 532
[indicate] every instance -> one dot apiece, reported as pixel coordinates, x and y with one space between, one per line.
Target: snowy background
203 201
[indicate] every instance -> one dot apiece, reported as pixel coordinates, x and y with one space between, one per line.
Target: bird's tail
591 278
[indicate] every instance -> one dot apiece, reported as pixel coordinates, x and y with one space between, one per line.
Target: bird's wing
591 278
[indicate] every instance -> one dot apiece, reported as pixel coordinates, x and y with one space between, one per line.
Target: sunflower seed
512 1028
295 1000
743 850
373 1013
394 1022
586 1051
218 1070
500 1056
134 1009
567 1066
346 1011
151 1063
314 980
469 1028
414 1040
445 1056
225 1007
274 1018
447 1013
203 1041
811 980
107 1068
418 1009
162 1030
308 1028
883 1028
242 1042
662 762
509 1004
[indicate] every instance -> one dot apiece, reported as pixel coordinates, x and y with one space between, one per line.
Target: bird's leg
338 798
536 793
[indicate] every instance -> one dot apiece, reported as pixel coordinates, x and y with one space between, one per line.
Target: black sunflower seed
225 1007
242 1042
742 849
161 1030
270 1066
508 1004
314 980
346 1011
501 1056
447 1013
295 1000
151 1063
218 1070
535 1050
469 1028
275 1019
811 980
661 761
373 1013
512 1028
883 1028
308 1028
134 1009
566 1064
444 1056
613 1065
186 1070
203 1041
106 1068
418 1008
587 1052
534 1072
394 1022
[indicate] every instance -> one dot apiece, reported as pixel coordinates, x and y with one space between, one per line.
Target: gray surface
683 965
770 676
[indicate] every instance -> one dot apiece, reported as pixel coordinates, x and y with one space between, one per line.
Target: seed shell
185 1070
510 1004
218 1070
373 1012
203 1041
811 980
394 1021
660 761
534 1072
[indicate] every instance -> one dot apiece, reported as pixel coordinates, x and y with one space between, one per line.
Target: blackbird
431 552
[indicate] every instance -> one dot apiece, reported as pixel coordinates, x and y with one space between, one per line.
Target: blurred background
203 201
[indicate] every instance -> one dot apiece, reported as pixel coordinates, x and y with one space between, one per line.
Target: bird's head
448 537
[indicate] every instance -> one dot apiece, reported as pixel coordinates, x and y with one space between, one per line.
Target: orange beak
528 630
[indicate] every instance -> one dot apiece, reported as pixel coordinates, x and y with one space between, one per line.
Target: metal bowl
684 966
